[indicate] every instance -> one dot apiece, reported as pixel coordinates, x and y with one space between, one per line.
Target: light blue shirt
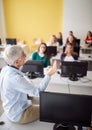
14 88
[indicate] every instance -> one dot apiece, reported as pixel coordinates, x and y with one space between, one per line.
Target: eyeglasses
23 56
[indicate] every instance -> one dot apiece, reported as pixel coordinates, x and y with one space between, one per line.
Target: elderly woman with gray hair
15 87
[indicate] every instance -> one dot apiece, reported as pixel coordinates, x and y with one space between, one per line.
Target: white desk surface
87 57
24 46
2 46
64 85
57 84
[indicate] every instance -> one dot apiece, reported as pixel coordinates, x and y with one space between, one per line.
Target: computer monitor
11 41
66 109
74 69
34 68
51 51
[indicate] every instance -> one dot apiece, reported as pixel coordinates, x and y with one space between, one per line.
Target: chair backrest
0 42
77 50
77 43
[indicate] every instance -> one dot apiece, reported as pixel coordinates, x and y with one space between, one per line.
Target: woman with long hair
41 54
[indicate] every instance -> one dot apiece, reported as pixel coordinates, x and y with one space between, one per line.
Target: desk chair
0 42
77 43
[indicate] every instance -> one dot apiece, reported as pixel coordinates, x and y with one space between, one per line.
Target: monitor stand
31 75
73 78
63 127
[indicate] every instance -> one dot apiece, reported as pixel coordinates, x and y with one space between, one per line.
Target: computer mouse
89 56
58 72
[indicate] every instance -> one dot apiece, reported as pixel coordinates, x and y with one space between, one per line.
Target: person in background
69 54
53 42
15 88
41 55
88 39
71 38
38 41
60 39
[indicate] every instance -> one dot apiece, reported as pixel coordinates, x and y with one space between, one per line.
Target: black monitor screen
33 66
67 109
51 51
74 68
11 41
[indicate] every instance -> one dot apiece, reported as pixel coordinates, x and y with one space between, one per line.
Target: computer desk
82 57
86 50
56 84
86 57
64 85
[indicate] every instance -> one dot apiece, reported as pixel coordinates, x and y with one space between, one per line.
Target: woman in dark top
71 38
69 54
60 38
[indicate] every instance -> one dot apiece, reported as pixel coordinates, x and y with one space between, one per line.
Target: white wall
2 23
77 17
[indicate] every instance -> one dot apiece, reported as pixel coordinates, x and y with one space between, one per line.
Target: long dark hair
90 34
45 52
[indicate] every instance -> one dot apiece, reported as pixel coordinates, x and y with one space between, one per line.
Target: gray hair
12 53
